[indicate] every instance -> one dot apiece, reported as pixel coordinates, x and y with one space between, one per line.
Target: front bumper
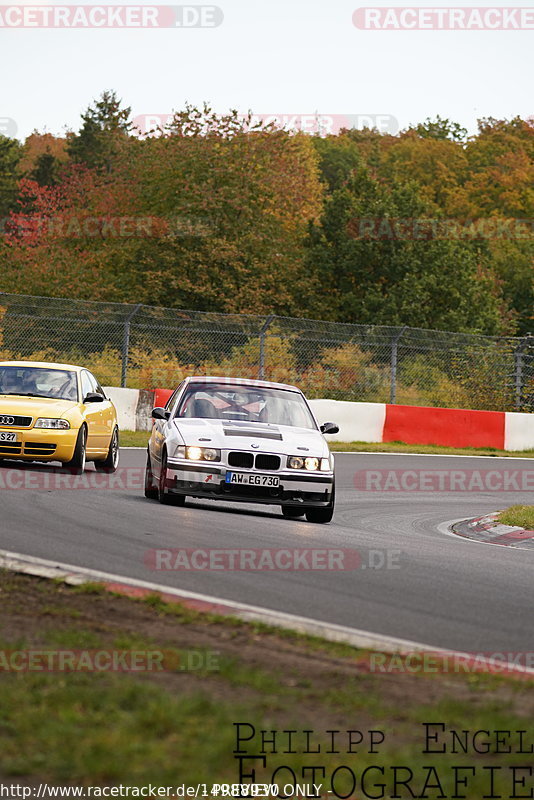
40 444
200 480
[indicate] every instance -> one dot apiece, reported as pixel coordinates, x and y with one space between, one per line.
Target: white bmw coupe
243 441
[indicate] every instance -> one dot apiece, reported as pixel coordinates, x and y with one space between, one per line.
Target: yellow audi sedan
56 412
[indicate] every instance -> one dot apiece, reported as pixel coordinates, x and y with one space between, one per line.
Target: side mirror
93 397
160 413
329 427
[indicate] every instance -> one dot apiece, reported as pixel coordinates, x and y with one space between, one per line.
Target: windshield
246 403
39 382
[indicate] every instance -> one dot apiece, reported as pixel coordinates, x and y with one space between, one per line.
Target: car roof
48 364
242 382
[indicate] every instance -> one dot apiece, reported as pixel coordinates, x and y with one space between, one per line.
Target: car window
172 399
39 382
96 386
87 385
247 404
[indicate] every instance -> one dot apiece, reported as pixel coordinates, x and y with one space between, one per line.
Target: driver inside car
29 385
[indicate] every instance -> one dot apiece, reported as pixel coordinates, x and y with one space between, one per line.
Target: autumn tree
214 213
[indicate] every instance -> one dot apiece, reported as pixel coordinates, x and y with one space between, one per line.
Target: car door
107 419
92 415
159 429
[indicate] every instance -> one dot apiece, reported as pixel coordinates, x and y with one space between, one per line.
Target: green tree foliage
46 169
339 158
381 268
10 154
213 214
105 126
441 129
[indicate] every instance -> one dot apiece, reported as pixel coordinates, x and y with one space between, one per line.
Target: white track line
32 565
429 455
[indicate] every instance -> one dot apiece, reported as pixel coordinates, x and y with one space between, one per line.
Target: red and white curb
133 587
488 530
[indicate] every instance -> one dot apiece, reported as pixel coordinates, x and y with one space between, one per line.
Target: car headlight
194 453
295 462
325 465
55 424
211 454
308 463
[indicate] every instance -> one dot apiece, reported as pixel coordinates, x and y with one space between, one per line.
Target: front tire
322 515
77 463
151 491
111 462
164 496
291 512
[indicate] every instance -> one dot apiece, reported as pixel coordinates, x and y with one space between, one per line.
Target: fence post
394 360
126 343
263 334
518 370
518 377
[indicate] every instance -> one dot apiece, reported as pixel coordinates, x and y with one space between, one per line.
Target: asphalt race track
443 592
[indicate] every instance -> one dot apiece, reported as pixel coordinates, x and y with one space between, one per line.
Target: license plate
249 479
8 436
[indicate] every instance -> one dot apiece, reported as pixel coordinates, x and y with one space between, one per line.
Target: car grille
10 449
266 461
39 449
30 449
237 459
18 422
247 461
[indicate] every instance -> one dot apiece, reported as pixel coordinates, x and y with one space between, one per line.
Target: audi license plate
249 479
8 436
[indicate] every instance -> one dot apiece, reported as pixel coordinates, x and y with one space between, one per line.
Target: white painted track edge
69 573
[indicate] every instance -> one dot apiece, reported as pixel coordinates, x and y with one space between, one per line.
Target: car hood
256 436
34 406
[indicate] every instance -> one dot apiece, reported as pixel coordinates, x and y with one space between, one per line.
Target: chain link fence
148 347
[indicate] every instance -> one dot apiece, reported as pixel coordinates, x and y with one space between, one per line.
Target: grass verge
178 725
522 516
140 439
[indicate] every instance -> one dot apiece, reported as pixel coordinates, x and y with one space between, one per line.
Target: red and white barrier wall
374 422
453 427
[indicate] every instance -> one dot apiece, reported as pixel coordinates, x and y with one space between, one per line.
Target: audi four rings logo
7 420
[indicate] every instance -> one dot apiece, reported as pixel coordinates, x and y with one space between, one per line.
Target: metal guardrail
148 347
